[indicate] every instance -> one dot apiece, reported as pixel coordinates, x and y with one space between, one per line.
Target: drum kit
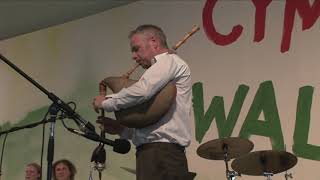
258 163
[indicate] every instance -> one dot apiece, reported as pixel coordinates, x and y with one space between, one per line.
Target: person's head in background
33 171
64 170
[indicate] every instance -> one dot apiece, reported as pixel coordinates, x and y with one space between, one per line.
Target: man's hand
110 125
97 102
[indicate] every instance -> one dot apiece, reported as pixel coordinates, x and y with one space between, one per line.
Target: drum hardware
268 175
217 148
288 175
231 175
225 149
264 163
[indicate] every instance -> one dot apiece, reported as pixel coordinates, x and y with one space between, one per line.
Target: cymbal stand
231 175
268 175
288 175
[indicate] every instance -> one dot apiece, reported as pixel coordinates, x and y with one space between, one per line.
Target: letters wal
264 102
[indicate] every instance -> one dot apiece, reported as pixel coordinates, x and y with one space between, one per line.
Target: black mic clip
99 158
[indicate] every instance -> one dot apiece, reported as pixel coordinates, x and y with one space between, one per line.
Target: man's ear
154 43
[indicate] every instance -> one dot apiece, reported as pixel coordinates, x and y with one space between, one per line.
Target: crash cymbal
233 146
258 162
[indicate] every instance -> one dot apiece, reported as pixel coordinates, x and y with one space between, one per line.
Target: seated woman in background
64 170
33 171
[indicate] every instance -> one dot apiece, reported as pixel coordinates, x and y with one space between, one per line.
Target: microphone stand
53 111
57 105
31 125
55 99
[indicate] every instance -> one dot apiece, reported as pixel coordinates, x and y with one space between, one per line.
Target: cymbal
233 146
258 162
132 171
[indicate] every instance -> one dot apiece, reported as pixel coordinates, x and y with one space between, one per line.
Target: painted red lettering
210 30
260 18
308 13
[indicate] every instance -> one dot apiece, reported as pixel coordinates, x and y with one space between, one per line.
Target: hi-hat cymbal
258 162
216 149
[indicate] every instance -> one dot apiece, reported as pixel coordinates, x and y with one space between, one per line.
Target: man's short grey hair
151 30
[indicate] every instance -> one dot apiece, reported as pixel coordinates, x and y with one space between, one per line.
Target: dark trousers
162 161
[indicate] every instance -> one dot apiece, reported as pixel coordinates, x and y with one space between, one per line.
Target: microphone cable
42 142
5 139
2 152
42 145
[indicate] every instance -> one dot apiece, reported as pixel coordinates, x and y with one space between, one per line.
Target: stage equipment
264 163
58 105
225 149
99 154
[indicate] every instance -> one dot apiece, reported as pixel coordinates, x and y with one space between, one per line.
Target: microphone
84 125
121 146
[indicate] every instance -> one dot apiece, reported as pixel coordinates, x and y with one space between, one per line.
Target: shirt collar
158 57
